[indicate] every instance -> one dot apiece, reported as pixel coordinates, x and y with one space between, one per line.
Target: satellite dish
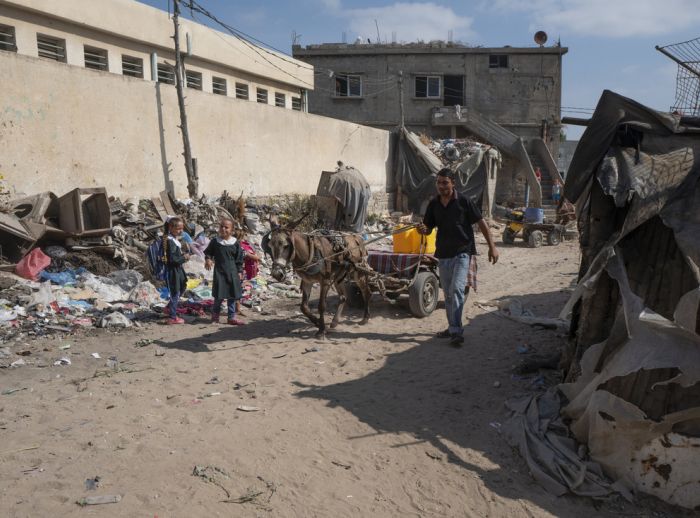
540 38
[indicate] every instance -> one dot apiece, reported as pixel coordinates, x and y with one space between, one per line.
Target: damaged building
510 97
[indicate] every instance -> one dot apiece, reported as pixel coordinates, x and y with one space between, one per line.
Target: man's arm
428 224
493 251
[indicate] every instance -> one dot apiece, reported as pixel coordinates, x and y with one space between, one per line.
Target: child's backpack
155 256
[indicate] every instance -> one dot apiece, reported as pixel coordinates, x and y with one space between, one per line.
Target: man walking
454 215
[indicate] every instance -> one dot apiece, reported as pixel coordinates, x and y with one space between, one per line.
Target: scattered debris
246 408
91 484
63 361
7 392
212 474
99 500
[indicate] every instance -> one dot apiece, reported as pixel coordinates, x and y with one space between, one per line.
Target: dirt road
380 420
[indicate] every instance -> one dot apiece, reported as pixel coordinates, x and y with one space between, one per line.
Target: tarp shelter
632 391
349 187
416 167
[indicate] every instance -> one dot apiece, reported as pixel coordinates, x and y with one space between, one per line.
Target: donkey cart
393 275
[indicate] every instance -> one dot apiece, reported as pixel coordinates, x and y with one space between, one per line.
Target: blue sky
611 42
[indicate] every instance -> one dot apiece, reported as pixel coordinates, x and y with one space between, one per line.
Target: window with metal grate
296 103
498 61
194 79
262 95
7 38
242 91
51 48
132 66
280 100
95 58
166 74
218 86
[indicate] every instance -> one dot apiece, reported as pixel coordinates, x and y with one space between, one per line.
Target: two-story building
501 94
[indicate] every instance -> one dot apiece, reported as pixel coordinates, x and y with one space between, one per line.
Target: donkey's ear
265 245
295 224
274 221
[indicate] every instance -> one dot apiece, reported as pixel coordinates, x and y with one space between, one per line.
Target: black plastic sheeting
416 168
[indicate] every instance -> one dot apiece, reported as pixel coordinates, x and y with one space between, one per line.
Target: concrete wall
567 148
64 126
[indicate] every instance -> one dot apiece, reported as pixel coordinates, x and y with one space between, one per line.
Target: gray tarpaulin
416 167
351 189
634 399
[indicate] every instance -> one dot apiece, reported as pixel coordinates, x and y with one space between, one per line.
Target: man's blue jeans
453 277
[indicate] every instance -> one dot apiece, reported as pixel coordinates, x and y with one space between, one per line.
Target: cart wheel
509 236
354 296
526 235
554 238
535 239
423 294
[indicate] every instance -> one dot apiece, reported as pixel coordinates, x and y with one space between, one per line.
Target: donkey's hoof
321 335
364 321
333 325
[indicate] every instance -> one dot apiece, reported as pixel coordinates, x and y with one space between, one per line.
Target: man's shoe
457 341
215 318
443 334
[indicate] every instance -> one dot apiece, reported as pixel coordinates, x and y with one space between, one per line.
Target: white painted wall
128 20
64 126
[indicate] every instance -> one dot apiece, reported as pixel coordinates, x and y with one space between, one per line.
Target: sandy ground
379 420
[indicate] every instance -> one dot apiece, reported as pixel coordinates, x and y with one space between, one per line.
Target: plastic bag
33 264
105 288
67 276
126 279
42 297
145 294
202 292
115 319
195 268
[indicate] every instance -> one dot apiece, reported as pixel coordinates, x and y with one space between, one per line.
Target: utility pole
401 96
190 164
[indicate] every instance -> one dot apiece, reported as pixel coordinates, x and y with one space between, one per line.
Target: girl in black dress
225 256
176 279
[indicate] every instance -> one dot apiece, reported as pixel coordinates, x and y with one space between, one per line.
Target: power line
243 38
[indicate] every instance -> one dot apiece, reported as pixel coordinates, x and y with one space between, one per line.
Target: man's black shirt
454 222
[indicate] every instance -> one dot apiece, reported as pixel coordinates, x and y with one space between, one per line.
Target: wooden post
192 179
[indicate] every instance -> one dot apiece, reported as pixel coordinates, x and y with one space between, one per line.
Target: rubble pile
451 150
78 262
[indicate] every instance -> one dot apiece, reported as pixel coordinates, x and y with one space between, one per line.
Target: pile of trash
78 261
452 150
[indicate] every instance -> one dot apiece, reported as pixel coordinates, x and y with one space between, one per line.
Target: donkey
317 259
